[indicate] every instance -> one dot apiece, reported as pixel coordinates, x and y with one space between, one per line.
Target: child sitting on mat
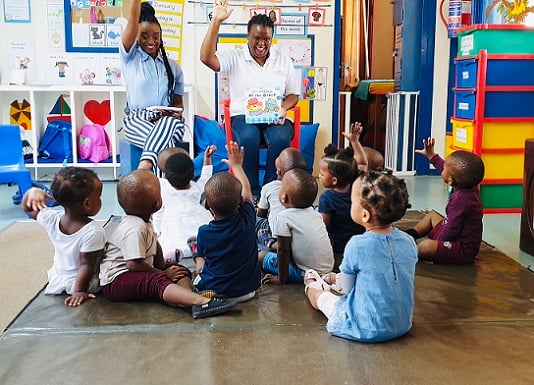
181 214
227 252
378 267
337 175
303 241
456 238
269 204
133 267
78 240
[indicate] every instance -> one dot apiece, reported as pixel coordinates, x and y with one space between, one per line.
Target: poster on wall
313 85
60 69
17 11
56 26
170 14
22 61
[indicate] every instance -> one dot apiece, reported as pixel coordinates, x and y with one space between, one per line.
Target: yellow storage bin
463 134
506 134
503 166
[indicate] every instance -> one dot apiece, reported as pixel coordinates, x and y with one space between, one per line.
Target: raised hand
428 148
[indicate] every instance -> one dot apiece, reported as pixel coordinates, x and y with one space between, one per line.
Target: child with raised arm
78 240
227 252
336 176
378 268
269 204
303 241
181 215
133 267
456 238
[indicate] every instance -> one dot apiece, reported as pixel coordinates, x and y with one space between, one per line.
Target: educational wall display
97 25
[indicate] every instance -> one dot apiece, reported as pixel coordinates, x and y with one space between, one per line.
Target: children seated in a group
78 240
181 214
269 204
133 266
456 238
303 241
337 175
227 251
378 268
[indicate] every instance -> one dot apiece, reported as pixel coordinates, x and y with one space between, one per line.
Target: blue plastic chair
12 168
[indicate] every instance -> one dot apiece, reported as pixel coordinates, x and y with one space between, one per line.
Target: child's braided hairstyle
384 195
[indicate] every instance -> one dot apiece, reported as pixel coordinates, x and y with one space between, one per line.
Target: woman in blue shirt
151 80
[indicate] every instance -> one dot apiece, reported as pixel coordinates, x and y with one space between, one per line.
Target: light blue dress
379 306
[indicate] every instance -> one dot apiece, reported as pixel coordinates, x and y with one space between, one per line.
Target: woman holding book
154 85
262 68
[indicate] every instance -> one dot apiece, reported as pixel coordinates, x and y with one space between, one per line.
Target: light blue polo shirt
146 79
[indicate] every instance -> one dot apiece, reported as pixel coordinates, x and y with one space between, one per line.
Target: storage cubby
43 98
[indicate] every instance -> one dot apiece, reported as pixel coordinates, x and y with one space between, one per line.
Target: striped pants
152 132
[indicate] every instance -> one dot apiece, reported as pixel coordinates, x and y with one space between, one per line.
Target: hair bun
147 9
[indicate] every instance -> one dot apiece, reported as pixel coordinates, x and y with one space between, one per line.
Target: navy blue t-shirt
229 248
341 227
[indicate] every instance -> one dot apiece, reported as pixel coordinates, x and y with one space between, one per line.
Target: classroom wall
203 79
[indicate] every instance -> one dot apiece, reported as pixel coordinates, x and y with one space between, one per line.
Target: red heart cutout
98 113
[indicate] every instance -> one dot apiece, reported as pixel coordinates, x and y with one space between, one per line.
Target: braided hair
384 195
148 14
260 19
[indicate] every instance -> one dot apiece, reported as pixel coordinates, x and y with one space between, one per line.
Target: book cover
263 105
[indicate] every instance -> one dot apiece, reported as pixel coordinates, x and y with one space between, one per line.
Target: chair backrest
11 141
295 141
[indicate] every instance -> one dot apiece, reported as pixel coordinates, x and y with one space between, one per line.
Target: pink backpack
94 143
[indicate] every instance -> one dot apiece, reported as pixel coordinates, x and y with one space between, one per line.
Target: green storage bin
501 196
496 39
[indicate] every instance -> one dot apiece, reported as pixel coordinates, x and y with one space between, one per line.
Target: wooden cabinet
43 98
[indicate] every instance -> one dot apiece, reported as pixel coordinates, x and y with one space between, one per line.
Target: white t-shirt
67 248
244 73
270 200
310 245
181 213
132 238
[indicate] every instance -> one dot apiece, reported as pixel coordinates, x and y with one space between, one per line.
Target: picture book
263 105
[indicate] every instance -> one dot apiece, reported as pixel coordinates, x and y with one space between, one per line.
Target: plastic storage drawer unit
495 38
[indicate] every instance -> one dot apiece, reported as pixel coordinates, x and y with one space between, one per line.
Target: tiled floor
500 230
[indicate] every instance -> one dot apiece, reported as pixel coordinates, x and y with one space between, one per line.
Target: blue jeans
275 136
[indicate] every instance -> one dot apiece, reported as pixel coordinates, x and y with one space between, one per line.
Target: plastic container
495 38
509 104
463 134
466 73
503 165
464 104
506 134
501 196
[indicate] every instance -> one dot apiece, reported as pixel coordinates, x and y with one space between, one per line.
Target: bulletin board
299 49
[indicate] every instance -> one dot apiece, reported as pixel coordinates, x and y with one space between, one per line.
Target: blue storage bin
464 104
510 72
509 105
466 73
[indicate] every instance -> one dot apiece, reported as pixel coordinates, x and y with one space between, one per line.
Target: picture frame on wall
316 16
275 15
